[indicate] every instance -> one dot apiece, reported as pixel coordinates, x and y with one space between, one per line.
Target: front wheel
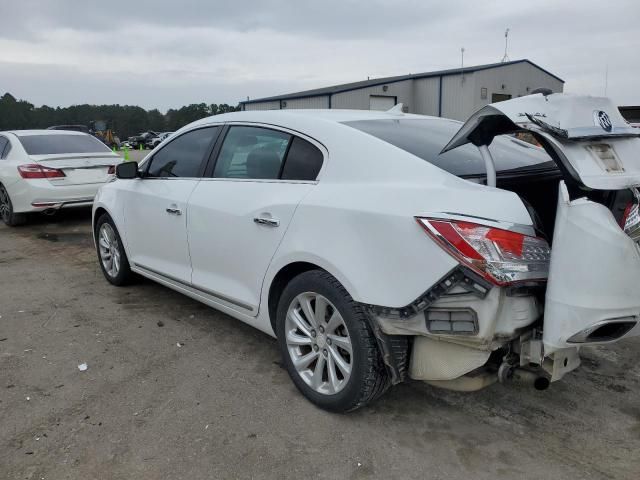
111 255
328 347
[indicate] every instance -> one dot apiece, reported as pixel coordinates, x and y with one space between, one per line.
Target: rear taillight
111 170
501 256
33 170
625 215
630 221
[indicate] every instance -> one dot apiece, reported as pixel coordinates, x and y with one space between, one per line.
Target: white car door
155 211
593 291
237 218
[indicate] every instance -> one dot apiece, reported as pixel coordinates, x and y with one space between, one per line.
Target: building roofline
348 87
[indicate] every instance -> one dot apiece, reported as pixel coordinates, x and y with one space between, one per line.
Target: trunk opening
539 193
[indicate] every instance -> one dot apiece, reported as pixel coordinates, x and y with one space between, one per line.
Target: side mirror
127 170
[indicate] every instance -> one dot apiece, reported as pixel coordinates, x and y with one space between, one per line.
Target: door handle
173 210
269 222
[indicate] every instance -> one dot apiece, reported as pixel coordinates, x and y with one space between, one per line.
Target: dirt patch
71 238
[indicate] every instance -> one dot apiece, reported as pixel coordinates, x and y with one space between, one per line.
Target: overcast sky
162 54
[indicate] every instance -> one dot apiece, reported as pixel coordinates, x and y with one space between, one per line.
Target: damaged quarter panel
359 223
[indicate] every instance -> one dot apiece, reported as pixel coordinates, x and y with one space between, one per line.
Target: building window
483 93
499 97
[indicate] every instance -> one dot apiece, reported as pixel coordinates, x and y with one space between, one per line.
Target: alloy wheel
318 343
109 250
5 204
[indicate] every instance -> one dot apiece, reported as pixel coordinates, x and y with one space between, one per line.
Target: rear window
426 138
52 144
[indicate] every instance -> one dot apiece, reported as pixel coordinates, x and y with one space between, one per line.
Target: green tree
124 120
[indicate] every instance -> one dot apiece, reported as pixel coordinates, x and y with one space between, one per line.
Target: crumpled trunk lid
593 290
587 137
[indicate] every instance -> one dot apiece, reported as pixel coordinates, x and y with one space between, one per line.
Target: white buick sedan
374 257
46 170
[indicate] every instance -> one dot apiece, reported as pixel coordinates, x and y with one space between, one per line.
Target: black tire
9 217
124 275
369 378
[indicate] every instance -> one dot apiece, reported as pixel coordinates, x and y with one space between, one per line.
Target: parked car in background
141 139
155 141
378 246
46 170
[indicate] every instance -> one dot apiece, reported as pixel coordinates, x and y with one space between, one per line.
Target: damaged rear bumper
458 334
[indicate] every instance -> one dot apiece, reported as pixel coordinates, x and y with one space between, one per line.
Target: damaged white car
381 246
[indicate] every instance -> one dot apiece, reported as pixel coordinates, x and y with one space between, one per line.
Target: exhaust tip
541 383
523 377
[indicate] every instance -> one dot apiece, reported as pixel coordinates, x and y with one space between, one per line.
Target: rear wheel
6 210
327 344
111 255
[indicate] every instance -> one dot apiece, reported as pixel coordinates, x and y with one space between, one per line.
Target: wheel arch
288 272
97 213
100 209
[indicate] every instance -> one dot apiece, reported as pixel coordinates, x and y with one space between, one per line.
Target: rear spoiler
564 124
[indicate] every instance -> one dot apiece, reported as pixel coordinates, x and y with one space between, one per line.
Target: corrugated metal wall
309 102
516 80
359 99
459 98
426 93
263 106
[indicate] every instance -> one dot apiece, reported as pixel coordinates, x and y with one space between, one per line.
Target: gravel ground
176 390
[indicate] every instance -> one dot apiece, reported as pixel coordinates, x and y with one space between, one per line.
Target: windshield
54 144
425 138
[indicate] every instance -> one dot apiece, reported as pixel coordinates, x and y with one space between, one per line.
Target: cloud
165 54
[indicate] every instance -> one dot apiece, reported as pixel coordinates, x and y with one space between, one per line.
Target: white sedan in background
46 170
375 251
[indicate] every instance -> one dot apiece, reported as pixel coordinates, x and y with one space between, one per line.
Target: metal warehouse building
455 93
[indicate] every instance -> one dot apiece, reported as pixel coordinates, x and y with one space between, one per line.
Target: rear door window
303 162
252 153
183 157
61 143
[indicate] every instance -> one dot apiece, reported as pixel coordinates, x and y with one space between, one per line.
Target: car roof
26 133
328 115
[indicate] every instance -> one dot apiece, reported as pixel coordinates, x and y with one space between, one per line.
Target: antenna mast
506 46
462 63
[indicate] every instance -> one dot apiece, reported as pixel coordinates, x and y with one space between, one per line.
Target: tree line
124 120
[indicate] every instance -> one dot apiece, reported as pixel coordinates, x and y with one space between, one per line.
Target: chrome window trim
258 180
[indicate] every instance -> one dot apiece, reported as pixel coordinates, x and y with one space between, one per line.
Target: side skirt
203 297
